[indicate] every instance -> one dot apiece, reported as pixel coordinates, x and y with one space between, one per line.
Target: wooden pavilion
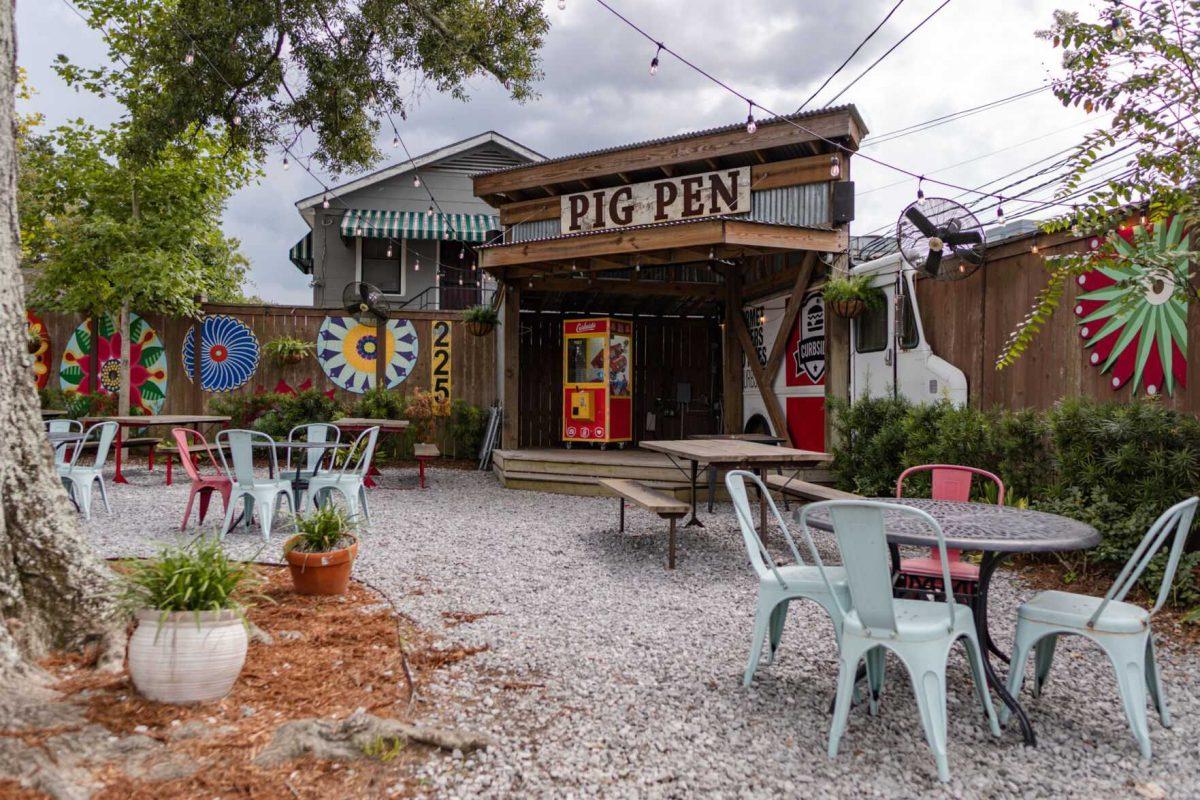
677 234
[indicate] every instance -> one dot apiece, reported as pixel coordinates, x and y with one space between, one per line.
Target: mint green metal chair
79 474
778 585
264 493
350 480
1122 630
919 632
63 426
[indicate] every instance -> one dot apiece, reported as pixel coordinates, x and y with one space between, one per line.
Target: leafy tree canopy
1142 63
99 228
268 70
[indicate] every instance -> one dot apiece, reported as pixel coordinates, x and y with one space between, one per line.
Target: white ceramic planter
180 661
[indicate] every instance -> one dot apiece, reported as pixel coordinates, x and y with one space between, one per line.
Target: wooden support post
765 388
510 330
731 371
792 310
197 399
381 360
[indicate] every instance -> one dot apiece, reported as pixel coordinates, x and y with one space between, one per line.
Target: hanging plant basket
849 308
293 358
476 328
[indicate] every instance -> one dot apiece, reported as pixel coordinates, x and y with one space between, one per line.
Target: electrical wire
850 57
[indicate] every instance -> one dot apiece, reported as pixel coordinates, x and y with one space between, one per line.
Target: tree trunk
54 591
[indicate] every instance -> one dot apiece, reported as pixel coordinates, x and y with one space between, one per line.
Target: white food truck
881 363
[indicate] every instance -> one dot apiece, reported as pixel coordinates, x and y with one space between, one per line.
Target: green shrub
243 409
1115 465
465 428
378 404
298 409
323 530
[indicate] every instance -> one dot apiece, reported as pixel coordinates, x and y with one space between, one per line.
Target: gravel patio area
634 672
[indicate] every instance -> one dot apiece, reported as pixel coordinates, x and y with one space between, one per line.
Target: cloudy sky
597 92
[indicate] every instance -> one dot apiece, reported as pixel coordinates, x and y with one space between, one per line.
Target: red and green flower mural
1132 311
41 356
147 359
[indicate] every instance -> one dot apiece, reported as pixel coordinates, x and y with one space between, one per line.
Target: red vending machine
597 390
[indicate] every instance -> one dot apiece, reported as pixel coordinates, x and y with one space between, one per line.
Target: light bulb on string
395 141
1034 249
237 119
654 62
1119 34
562 5
920 191
416 181
416 265
389 250
751 125
430 210
325 201
286 164
1000 212
835 166
189 59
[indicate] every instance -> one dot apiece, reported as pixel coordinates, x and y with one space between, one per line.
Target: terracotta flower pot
321 573
188 657
854 307
476 328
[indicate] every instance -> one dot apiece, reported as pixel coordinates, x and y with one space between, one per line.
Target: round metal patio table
995 531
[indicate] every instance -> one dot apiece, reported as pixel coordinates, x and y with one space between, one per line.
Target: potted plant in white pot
190 604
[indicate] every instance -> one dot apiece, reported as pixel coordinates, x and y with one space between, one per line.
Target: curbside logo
809 355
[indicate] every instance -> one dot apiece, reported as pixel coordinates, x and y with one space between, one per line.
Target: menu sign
726 191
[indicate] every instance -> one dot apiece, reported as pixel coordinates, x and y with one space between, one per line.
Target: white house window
378 267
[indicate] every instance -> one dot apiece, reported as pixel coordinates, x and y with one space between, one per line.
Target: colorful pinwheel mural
347 349
1132 312
147 359
41 356
228 353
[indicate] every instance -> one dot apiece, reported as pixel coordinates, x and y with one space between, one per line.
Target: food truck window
585 359
871 330
908 334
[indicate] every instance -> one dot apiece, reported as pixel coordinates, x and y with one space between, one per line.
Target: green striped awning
374 224
301 254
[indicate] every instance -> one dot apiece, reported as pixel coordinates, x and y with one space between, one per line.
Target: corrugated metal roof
849 107
582 234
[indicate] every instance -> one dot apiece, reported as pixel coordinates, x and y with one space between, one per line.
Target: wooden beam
765 388
510 332
793 172
832 125
530 210
604 244
785 237
702 291
731 348
791 311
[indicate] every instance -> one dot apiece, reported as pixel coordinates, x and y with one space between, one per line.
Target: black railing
449 298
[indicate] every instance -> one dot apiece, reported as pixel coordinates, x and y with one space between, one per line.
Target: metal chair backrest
63 426
183 440
240 444
103 433
361 464
861 532
314 432
1175 520
760 558
952 481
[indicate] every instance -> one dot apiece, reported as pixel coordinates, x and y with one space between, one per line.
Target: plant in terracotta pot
480 320
322 554
850 295
286 350
190 603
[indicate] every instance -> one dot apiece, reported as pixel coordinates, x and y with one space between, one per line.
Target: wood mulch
329 657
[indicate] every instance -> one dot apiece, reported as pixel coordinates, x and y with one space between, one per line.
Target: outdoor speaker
843 202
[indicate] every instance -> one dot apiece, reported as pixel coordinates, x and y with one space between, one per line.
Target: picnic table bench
806 490
424 452
654 501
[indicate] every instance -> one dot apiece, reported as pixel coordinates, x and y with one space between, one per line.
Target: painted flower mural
147 359
228 353
1132 312
347 350
41 356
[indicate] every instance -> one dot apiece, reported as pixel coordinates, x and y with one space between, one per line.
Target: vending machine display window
597 381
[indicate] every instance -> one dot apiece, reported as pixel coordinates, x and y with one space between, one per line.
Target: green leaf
150 391
72 375
150 355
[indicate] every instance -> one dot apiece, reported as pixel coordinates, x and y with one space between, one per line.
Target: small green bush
243 409
322 531
198 576
465 428
298 409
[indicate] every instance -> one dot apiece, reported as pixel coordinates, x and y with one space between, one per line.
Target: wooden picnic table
761 438
736 454
361 424
53 413
151 421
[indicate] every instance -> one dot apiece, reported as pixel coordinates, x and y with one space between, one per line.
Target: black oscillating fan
940 239
365 302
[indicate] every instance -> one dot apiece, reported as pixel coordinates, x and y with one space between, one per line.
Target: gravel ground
608 676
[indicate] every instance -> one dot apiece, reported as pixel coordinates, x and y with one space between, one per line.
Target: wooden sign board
726 191
439 372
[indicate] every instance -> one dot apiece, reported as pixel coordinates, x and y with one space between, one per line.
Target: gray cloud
597 93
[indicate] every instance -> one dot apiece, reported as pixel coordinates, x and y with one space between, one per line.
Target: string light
654 61
430 210
237 119
1034 249
1119 34
285 161
751 125
396 141
345 40
835 166
1000 212
189 59
920 191
417 181
562 5
325 201
389 250
416 265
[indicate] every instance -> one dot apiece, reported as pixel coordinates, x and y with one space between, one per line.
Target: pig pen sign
688 197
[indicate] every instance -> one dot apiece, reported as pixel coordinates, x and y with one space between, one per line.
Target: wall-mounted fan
365 302
940 239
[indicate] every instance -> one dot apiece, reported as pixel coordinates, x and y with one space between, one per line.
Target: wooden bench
128 443
666 506
809 492
424 452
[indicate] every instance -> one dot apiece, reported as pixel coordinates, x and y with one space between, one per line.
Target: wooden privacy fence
471 367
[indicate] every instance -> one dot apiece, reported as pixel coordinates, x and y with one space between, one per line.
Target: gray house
407 228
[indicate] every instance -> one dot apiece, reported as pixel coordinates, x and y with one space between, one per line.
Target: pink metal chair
950 482
203 485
